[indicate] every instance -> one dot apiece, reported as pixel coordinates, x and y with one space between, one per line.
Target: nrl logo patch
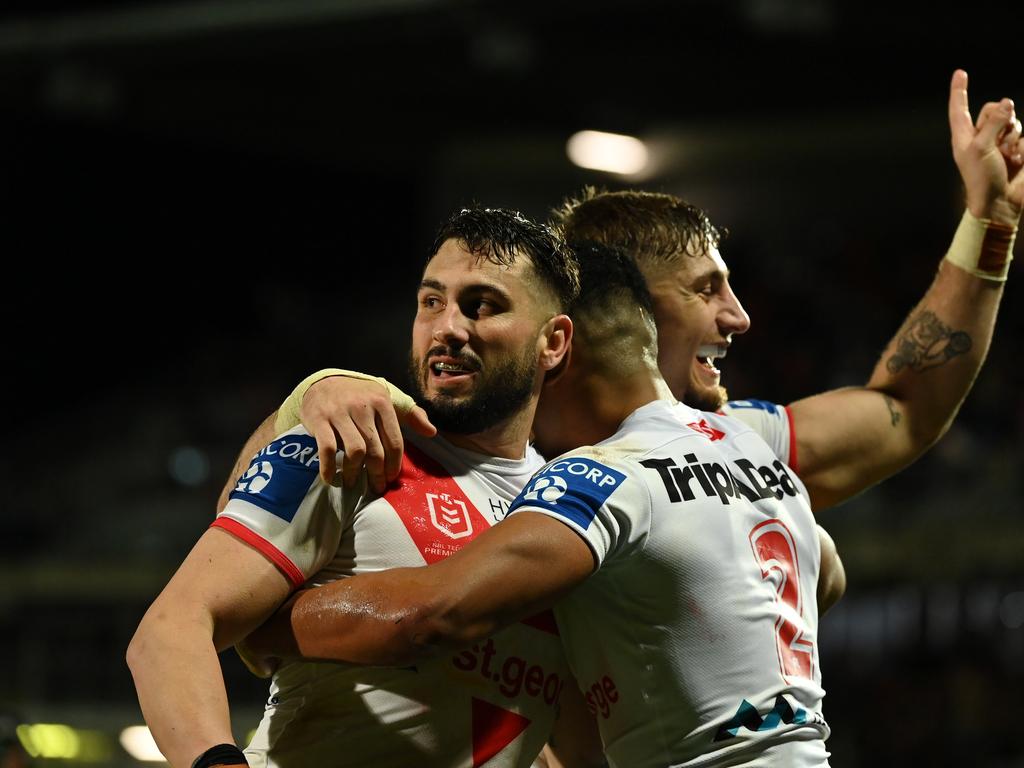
449 515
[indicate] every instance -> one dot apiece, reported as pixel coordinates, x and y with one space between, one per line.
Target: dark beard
502 390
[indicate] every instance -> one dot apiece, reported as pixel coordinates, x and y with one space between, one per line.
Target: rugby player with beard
490 324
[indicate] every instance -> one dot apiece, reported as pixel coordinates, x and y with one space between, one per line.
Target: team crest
449 515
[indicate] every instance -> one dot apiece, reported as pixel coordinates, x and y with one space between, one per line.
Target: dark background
201 202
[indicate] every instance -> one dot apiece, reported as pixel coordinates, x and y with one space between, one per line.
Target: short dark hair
500 235
613 315
654 228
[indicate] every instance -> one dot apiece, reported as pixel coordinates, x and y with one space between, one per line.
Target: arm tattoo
926 342
894 415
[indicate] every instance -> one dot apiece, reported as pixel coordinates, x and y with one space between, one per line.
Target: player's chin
450 391
704 396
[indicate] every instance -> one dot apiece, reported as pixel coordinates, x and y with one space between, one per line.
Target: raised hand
989 154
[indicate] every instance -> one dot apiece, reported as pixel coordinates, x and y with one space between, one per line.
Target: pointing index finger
960 124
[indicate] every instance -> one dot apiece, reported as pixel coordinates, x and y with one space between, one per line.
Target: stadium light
50 740
138 742
55 741
612 152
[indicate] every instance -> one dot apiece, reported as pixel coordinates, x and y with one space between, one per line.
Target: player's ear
557 340
554 375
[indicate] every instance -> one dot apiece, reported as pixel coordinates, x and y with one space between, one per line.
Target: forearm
849 439
513 570
930 364
222 590
180 687
393 618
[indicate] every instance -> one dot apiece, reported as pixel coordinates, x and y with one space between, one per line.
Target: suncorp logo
255 478
549 488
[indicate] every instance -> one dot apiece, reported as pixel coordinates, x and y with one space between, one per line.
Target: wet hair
654 228
614 314
500 235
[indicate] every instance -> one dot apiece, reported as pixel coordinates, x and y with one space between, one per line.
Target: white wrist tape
983 248
288 414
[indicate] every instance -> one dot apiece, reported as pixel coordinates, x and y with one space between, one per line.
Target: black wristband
222 754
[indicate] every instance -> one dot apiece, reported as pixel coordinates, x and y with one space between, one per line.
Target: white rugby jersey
694 641
773 422
490 705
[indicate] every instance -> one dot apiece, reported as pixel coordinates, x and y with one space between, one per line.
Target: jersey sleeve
774 423
282 508
605 505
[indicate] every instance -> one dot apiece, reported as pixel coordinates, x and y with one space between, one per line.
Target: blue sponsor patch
574 488
279 476
760 405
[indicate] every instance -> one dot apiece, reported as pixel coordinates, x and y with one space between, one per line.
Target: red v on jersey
494 729
439 516
436 512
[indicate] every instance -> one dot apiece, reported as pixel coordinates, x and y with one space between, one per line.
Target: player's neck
506 440
591 409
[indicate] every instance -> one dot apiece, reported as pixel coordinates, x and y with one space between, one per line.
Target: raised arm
849 439
220 593
513 570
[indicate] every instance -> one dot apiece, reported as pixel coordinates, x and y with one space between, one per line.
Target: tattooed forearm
894 414
926 342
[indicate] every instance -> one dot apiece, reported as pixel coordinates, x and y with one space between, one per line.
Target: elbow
925 422
154 640
923 434
138 650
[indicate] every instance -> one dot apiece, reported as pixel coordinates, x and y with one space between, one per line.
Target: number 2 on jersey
775 551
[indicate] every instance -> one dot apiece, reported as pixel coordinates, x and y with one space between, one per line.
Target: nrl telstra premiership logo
449 515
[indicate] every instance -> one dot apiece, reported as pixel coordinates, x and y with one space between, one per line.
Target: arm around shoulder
513 570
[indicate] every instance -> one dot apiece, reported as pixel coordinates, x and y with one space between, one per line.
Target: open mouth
708 354
450 369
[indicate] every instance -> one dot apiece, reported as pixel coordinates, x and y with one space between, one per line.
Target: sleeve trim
571 525
268 550
793 462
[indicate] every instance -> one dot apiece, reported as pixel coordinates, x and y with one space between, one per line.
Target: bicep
264 433
515 569
225 584
847 440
